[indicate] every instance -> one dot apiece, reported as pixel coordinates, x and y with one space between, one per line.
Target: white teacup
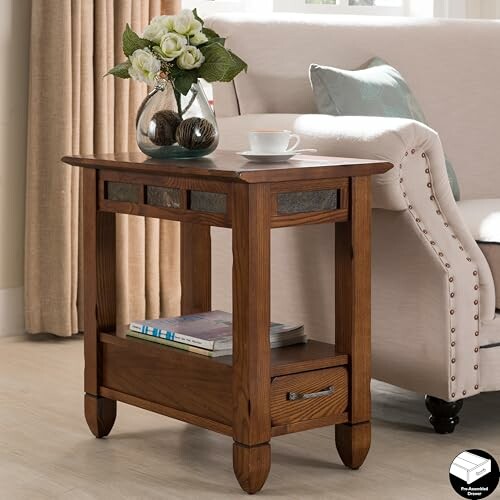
272 141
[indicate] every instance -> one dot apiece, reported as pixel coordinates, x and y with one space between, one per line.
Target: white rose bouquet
179 49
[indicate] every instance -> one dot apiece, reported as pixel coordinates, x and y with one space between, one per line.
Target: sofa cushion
375 89
483 219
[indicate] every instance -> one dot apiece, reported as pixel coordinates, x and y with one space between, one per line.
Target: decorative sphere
163 126
195 133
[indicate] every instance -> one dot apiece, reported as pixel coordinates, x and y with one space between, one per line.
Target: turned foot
353 443
251 466
444 415
100 414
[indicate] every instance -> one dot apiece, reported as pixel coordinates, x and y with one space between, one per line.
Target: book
211 330
291 340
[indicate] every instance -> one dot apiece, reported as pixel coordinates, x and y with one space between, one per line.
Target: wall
470 9
488 9
14 40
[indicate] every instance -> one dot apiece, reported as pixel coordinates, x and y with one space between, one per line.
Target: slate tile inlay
163 197
123 191
202 201
307 201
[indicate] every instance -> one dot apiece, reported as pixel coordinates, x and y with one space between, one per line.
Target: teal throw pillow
376 89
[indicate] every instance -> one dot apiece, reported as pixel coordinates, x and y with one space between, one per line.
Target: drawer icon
470 467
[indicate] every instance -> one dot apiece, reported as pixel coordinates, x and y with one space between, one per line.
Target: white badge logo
470 467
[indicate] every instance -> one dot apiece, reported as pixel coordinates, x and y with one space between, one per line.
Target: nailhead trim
447 265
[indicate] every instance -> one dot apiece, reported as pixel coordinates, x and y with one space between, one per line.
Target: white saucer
267 157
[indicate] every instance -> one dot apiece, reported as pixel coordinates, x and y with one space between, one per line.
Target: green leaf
237 67
132 41
210 34
197 17
219 40
217 62
184 79
120 70
220 65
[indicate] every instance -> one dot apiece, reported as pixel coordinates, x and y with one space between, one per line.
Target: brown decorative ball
163 126
196 133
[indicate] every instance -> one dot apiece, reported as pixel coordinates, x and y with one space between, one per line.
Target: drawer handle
480 472
295 396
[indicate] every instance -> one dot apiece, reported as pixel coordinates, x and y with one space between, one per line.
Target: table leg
353 320
251 209
99 242
195 268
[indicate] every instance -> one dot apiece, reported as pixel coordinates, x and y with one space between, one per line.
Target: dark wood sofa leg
444 415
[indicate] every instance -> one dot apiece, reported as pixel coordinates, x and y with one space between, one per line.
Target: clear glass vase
172 125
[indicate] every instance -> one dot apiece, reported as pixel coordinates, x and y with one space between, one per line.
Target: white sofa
435 328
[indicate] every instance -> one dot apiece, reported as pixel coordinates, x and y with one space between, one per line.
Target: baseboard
11 311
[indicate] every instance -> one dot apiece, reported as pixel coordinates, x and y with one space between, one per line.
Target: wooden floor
47 452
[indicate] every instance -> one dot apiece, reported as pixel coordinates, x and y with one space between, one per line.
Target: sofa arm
388 139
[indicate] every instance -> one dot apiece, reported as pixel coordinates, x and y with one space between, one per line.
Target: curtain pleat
74 110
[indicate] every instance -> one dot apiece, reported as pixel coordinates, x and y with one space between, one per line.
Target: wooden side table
258 392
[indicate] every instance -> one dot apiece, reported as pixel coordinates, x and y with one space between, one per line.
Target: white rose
191 58
171 46
158 28
185 23
198 38
144 66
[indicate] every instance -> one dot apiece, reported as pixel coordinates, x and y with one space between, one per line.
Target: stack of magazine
209 334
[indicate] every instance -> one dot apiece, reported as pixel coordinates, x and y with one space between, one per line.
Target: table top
228 165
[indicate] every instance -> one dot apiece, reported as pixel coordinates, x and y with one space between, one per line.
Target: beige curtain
74 110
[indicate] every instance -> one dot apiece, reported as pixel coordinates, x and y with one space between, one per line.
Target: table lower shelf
198 390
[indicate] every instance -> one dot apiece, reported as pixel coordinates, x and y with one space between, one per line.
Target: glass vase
173 125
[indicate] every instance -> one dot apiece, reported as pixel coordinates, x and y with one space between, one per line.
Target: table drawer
309 395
